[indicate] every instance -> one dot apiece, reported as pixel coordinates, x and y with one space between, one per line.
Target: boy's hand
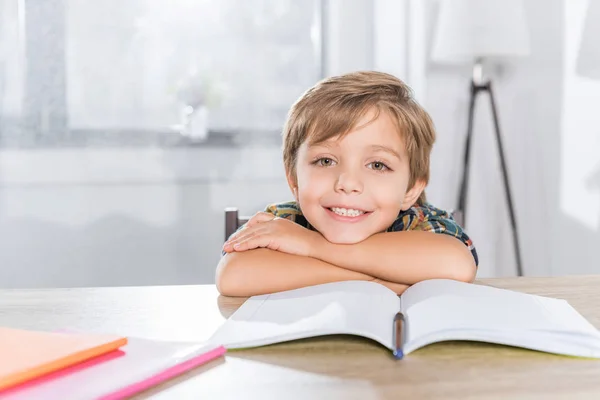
266 230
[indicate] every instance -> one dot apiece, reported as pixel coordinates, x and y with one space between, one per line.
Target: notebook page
350 307
438 305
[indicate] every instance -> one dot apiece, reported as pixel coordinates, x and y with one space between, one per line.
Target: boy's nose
348 183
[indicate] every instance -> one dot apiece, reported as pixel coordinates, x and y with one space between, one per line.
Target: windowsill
17 138
61 166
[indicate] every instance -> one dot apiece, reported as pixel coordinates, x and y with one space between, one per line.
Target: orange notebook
25 355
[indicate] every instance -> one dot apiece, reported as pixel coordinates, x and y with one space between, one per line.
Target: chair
233 221
457 216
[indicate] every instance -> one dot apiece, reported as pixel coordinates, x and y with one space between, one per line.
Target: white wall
349 33
576 234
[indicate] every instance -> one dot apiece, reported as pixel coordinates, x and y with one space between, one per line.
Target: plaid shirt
424 217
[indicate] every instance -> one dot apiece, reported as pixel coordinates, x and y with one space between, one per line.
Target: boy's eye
378 166
325 162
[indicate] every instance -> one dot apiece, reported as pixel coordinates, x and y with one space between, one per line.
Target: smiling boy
356 152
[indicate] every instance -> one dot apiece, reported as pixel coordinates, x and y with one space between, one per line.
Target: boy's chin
346 237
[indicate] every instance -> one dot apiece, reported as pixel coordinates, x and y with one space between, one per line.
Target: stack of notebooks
52 365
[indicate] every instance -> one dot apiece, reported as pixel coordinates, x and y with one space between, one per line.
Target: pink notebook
27 354
138 366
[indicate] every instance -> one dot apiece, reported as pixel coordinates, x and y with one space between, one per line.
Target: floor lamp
477 33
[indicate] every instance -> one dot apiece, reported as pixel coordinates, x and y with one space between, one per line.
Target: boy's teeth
347 212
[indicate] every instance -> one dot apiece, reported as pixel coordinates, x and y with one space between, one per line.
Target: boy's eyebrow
386 149
321 144
374 147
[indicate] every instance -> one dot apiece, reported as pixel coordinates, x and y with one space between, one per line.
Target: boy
356 153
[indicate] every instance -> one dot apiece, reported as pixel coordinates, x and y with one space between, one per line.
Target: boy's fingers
251 242
240 232
260 239
260 217
241 237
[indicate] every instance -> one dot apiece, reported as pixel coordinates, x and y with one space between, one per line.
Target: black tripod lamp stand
481 86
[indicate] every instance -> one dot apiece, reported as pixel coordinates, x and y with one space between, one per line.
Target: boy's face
352 188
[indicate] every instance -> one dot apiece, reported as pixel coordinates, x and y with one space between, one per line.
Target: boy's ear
411 197
291 179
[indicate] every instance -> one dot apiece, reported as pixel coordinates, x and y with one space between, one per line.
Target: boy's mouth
347 212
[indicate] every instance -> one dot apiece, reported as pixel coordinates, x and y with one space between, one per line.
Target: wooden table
322 368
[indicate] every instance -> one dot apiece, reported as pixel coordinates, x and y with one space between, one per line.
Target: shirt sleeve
430 219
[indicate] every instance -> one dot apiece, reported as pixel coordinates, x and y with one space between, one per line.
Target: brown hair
335 105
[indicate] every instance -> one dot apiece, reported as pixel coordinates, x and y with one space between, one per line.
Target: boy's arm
425 243
405 257
261 271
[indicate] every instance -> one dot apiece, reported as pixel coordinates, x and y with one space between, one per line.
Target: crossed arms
273 254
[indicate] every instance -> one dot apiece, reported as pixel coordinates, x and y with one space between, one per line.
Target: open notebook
435 310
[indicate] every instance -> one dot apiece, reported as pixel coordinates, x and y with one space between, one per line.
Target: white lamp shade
470 29
588 59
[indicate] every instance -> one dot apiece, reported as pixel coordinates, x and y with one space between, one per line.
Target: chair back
233 221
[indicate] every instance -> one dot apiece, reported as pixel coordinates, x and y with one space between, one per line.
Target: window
136 72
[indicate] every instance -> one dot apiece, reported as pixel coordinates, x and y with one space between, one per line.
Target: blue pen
399 330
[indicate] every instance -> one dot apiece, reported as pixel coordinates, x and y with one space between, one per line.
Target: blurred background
127 127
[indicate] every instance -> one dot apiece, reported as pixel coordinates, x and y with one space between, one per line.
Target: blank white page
350 307
438 305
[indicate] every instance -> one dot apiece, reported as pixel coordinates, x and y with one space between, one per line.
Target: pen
399 330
